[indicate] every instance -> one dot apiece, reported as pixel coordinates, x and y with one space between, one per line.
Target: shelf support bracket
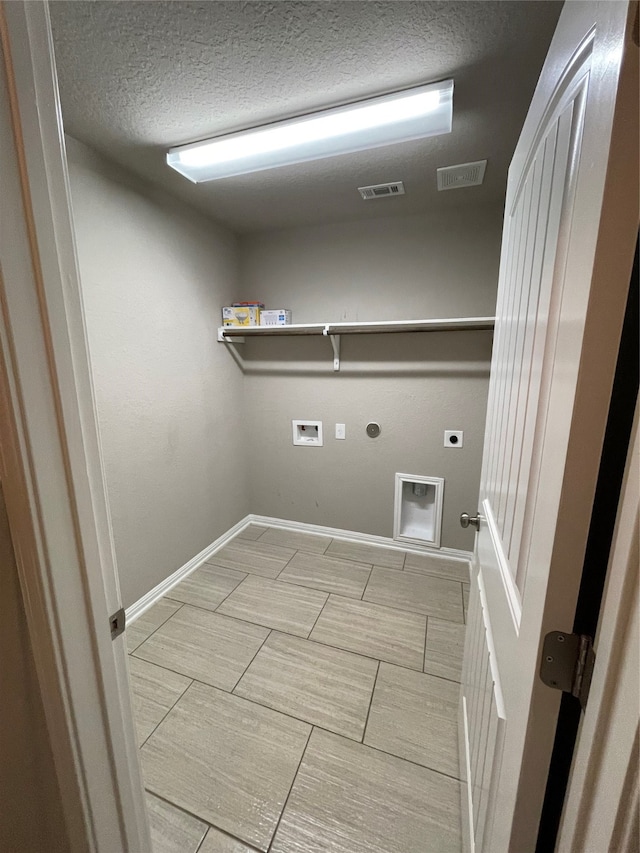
335 343
224 340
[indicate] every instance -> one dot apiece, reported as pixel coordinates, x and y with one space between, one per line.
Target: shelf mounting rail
238 334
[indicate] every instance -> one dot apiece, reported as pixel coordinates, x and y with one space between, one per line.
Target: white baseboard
468 840
354 536
144 603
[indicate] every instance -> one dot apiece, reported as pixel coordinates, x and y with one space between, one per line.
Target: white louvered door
569 225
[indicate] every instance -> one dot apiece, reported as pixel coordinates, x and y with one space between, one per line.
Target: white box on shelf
275 317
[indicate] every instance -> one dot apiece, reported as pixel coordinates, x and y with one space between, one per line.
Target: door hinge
117 623
567 663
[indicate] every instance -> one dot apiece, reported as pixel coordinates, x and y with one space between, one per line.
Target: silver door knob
466 520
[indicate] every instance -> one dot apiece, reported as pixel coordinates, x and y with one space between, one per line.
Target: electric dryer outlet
453 438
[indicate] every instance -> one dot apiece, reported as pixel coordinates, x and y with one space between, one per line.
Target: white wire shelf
238 334
453 324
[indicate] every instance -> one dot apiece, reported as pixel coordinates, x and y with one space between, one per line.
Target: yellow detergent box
241 315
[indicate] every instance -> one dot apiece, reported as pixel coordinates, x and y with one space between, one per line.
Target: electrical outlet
453 438
341 431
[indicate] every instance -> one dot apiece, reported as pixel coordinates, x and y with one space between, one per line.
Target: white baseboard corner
144 603
150 598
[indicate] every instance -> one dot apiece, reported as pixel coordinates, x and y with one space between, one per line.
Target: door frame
51 464
602 799
599 563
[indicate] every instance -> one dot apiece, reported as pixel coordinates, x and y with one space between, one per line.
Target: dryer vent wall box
307 433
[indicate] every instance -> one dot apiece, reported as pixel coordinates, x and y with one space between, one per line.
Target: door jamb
50 461
601 806
609 491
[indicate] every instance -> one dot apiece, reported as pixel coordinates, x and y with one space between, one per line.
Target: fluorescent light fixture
403 116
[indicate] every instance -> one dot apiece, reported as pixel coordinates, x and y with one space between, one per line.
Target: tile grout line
400 758
354 560
317 617
356 563
244 671
170 709
295 551
312 726
202 840
163 799
245 621
338 594
298 637
220 603
317 589
430 554
200 607
226 835
159 626
260 536
293 782
308 637
255 702
207 824
373 690
391 607
364 591
369 657
424 651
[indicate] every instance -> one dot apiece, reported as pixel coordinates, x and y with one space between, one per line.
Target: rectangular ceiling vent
463 175
382 190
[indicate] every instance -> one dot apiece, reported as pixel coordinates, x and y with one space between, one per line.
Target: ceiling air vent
382 190
463 175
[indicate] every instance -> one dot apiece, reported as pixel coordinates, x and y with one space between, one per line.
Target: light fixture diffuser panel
401 117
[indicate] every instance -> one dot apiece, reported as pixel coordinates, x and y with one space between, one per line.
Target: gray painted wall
154 275
32 817
414 267
415 386
192 442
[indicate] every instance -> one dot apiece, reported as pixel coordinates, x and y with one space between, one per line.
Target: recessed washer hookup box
275 317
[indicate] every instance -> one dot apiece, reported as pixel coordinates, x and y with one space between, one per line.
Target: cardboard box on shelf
275 317
241 315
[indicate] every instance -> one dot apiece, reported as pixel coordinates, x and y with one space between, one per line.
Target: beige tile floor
298 694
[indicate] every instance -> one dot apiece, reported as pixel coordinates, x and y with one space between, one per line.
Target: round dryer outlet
373 430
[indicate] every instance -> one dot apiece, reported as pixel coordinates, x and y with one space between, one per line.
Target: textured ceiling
138 77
